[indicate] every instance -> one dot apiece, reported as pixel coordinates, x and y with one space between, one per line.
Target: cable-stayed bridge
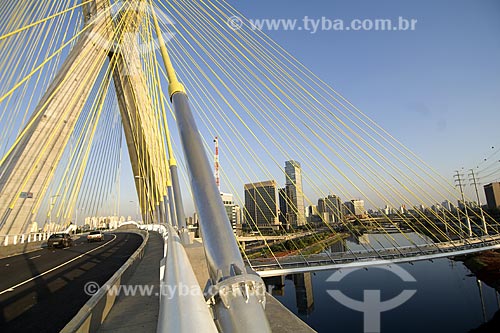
85 82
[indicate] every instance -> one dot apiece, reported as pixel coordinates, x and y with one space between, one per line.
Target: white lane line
57 267
15 255
38 256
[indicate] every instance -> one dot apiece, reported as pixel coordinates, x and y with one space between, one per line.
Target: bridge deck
36 286
139 313
280 318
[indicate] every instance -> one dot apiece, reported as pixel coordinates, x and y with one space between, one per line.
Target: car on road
59 240
94 236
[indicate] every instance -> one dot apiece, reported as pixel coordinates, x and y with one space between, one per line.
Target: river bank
486 267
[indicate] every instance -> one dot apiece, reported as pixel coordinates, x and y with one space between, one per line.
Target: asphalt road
41 291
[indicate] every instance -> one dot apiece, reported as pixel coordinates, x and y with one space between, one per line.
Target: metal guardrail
184 300
180 292
97 308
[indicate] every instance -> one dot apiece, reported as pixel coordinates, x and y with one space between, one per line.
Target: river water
444 297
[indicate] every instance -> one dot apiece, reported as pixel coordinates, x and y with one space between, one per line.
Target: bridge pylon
29 167
30 164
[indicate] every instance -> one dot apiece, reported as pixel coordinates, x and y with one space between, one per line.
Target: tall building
294 193
422 208
359 207
283 206
470 204
355 207
311 210
333 207
330 209
232 210
324 216
321 206
492 192
348 208
261 204
448 205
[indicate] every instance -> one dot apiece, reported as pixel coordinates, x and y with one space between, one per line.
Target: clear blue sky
436 89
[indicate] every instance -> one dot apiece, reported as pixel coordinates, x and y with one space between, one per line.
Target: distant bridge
388 256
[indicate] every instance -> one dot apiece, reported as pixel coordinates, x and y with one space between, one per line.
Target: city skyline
268 200
421 85
416 48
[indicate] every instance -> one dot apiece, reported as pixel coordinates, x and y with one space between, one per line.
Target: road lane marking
38 256
22 254
57 267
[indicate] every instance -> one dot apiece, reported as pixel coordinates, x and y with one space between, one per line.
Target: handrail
180 294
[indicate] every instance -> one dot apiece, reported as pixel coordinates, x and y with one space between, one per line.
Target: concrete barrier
92 314
20 248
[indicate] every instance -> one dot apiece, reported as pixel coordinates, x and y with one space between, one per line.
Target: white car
95 236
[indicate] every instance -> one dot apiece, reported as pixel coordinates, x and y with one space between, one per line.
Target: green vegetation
306 245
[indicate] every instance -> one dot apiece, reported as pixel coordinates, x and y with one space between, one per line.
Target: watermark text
315 25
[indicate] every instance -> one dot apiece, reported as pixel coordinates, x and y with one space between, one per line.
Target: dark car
59 240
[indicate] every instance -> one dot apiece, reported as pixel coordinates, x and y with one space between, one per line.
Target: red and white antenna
216 163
